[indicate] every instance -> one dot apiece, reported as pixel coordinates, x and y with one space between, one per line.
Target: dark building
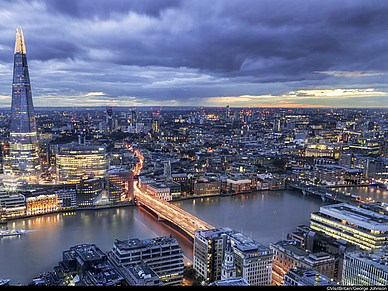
119 184
109 119
88 191
82 265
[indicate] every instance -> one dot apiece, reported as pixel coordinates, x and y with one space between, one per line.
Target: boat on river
4 281
11 232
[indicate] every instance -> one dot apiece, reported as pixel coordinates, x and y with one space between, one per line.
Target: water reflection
265 216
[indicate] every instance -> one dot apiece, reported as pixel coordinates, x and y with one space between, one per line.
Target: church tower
228 269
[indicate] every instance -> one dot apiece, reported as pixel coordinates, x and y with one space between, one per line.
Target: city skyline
189 53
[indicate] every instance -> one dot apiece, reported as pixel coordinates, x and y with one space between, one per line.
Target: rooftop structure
162 254
300 276
362 227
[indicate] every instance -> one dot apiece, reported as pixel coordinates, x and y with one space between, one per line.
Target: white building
365 268
364 228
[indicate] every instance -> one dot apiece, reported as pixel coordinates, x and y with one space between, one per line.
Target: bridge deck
184 220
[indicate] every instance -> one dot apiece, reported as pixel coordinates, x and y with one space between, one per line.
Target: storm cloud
170 52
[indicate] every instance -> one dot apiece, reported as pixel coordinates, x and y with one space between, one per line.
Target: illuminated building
331 150
334 175
362 227
288 254
365 268
24 145
228 269
162 254
11 204
252 261
237 185
160 190
141 275
41 204
119 183
78 162
91 265
206 186
365 146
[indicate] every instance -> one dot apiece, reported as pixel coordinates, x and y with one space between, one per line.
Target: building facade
24 145
366 268
301 276
119 184
287 255
87 192
212 257
41 204
78 162
361 227
162 254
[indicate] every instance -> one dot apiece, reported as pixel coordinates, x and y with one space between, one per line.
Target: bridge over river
327 193
164 210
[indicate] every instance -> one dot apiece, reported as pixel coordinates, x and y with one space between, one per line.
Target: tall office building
23 132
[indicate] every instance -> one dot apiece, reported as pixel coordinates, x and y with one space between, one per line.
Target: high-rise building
23 131
78 162
288 254
109 119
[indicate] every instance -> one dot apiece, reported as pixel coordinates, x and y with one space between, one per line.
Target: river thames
265 216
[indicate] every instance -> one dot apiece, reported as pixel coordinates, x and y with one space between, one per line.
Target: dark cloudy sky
258 53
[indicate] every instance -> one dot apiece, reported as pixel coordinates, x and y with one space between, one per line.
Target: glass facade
24 143
79 162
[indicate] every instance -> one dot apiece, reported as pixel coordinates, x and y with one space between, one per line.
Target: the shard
24 144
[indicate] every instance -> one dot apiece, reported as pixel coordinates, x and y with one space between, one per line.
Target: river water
265 216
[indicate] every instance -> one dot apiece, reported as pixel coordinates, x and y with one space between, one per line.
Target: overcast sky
257 53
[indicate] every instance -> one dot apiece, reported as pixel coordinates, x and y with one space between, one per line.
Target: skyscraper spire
19 43
24 145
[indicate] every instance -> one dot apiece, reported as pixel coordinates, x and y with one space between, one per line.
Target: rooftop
356 214
136 243
377 259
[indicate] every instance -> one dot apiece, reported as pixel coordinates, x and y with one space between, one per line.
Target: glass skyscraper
24 142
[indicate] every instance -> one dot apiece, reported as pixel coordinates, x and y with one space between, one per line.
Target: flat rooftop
136 243
355 214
